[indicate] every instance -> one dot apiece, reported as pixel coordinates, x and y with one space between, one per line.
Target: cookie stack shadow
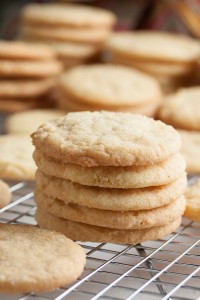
76 32
27 75
112 200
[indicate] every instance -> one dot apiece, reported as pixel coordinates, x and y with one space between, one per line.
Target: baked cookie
191 149
111 219
70 104
110 199
16 157
32 69
192 196
68 15
29 121
107 139
109 86
65 34
5 194
162 47
182 109
25 89
18 50
114 177
156 68
70 51
42 260
85 232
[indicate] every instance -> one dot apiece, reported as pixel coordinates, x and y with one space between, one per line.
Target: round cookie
71 51
109 86
35 69
111 199
192 196
62 34
85 232
16 157
148 109
191 149
25 88
162 47
68 15
114 177
107 139
29 121
18 50
156 68
182 109
5 194
42 260
111 219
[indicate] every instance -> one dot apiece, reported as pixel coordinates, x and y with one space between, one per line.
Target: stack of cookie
108 87
172 59
109 177
27 75
76 32
182 110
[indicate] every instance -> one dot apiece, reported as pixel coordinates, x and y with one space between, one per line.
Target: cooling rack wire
164 269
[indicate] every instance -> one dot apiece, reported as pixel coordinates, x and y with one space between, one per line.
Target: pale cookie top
110 85
16 157
28 121
107 139
67 14
182 109
157 46
41 261
25 51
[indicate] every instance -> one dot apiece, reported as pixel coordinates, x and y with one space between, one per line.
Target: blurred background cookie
108 87
5 194
68 28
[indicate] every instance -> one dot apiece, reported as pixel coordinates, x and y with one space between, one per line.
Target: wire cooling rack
164 269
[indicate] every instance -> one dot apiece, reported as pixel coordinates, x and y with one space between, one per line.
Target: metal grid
164 269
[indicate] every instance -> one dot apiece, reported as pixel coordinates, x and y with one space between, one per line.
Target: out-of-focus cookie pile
27 75
104 170
108 87
76 32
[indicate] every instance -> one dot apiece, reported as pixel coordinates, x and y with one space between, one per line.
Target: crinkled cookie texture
182 109
85 232
110 199
28 121
110 85
192 196
191 149
67 15
5 194
162 47
114 177
107 139
18 50
42 260
16 157
111 219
